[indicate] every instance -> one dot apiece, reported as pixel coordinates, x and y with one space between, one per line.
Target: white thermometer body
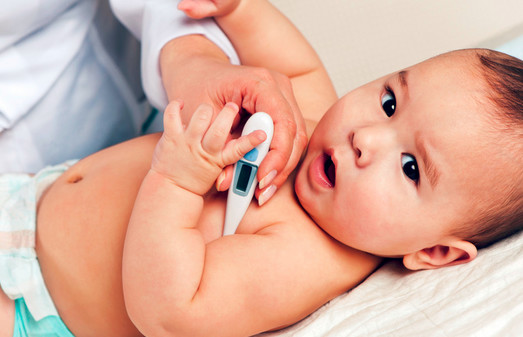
244 180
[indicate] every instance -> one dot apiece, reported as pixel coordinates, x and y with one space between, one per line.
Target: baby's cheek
359 221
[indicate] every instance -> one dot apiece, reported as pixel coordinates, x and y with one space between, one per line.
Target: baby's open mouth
330 170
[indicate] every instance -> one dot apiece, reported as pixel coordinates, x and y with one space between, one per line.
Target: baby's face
393 164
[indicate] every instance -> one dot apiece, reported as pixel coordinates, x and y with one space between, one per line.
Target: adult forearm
183 59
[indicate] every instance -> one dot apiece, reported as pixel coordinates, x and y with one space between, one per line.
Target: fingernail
267 179
261 135
232 105
219 181
266 195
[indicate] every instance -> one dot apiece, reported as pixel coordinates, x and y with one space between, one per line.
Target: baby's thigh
7 315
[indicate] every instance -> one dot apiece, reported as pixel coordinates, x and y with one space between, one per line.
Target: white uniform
69 76
155 22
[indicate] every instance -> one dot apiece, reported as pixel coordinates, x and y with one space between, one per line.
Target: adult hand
196 71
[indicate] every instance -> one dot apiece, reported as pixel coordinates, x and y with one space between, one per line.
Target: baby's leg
7 315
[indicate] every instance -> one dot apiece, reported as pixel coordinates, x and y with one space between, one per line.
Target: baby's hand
198 9
192 157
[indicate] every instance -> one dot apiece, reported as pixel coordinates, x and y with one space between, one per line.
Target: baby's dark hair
503 75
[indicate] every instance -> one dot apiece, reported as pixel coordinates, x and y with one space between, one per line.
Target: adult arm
262 36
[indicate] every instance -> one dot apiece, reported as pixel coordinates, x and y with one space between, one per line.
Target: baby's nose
371 141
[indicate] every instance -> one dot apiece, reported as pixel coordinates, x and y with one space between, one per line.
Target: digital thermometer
244 176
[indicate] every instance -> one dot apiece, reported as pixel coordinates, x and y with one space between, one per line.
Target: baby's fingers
215 138
199 123
172 123
237 148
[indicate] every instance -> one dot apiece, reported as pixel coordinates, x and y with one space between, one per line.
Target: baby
397 168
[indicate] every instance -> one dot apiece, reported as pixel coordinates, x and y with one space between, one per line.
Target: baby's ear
448 254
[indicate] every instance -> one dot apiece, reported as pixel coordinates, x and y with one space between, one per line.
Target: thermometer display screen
244 177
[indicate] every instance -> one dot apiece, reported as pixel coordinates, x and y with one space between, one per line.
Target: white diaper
20 274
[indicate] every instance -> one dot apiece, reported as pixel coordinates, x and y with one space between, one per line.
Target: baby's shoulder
317 259
294 229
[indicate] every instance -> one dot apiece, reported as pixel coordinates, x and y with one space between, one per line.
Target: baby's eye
388 103
410 167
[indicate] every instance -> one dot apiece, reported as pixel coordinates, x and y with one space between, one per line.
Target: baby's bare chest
256 218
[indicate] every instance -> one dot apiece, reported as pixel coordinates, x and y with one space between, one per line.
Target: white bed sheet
481 298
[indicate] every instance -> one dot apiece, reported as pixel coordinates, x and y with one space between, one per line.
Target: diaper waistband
20 274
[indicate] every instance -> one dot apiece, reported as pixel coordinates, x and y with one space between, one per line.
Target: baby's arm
164 251
264 37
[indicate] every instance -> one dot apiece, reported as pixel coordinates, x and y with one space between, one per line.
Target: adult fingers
225 178
197 9
273 95
297 138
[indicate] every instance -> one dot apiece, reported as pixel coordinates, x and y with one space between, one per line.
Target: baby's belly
81 226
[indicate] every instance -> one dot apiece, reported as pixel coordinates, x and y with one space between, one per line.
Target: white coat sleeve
156 22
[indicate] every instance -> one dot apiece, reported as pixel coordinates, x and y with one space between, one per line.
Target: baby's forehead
462 65
453 78
465 59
